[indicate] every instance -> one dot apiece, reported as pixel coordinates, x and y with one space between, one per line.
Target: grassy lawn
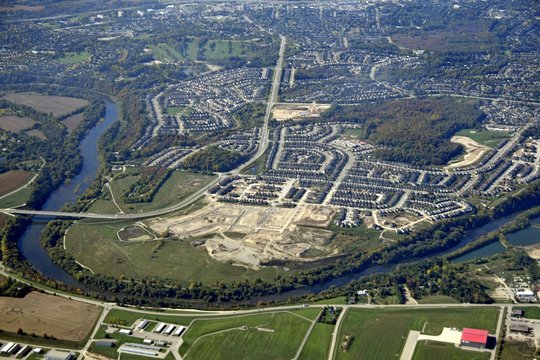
178 186
438 299
238 337
258 165
381 333
173 110
426 350
484 137
16 199
75 57
166 53
318 343
360 237
336 300
530 312
351 134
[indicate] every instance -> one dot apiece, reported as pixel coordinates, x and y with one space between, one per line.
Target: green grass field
173 110
484 137
239 338
97 246
438 299
426 350
74 57
530 312
318 343
381 333
16 199
166 53
178 186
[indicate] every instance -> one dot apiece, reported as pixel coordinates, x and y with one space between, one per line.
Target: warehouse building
474 338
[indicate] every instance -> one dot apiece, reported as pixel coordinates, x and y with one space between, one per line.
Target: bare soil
57 105
47 314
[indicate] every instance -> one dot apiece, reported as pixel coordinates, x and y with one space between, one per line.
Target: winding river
30 246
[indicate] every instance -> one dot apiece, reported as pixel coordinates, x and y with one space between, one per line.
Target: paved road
272 99
187 201
335 334
410 345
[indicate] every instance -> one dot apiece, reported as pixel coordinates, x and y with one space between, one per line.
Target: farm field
73 121
14 179
57 105
441 351
179 185
41 313
241 337
318 343
484 137
381 333
15 123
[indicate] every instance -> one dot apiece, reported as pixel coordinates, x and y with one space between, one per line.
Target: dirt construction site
283 112
250 235
473 152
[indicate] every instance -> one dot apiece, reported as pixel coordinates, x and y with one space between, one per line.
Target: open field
518 351
531 312
318 343
73 121
381 333
298 112
36 133
22 8
484 137
40 313
241 337
57 105
473 152
16 199
15 123
270 233
438 299
74 57
179 185
98 247
13 179
427 350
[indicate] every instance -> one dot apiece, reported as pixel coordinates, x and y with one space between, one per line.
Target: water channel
29 244
32 250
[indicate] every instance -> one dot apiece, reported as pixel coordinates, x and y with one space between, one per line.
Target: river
29 244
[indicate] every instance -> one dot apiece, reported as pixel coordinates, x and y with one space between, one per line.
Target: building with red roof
474 337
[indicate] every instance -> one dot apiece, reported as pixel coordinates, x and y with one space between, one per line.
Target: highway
272 99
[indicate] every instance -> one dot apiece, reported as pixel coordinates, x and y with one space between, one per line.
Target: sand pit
473 152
